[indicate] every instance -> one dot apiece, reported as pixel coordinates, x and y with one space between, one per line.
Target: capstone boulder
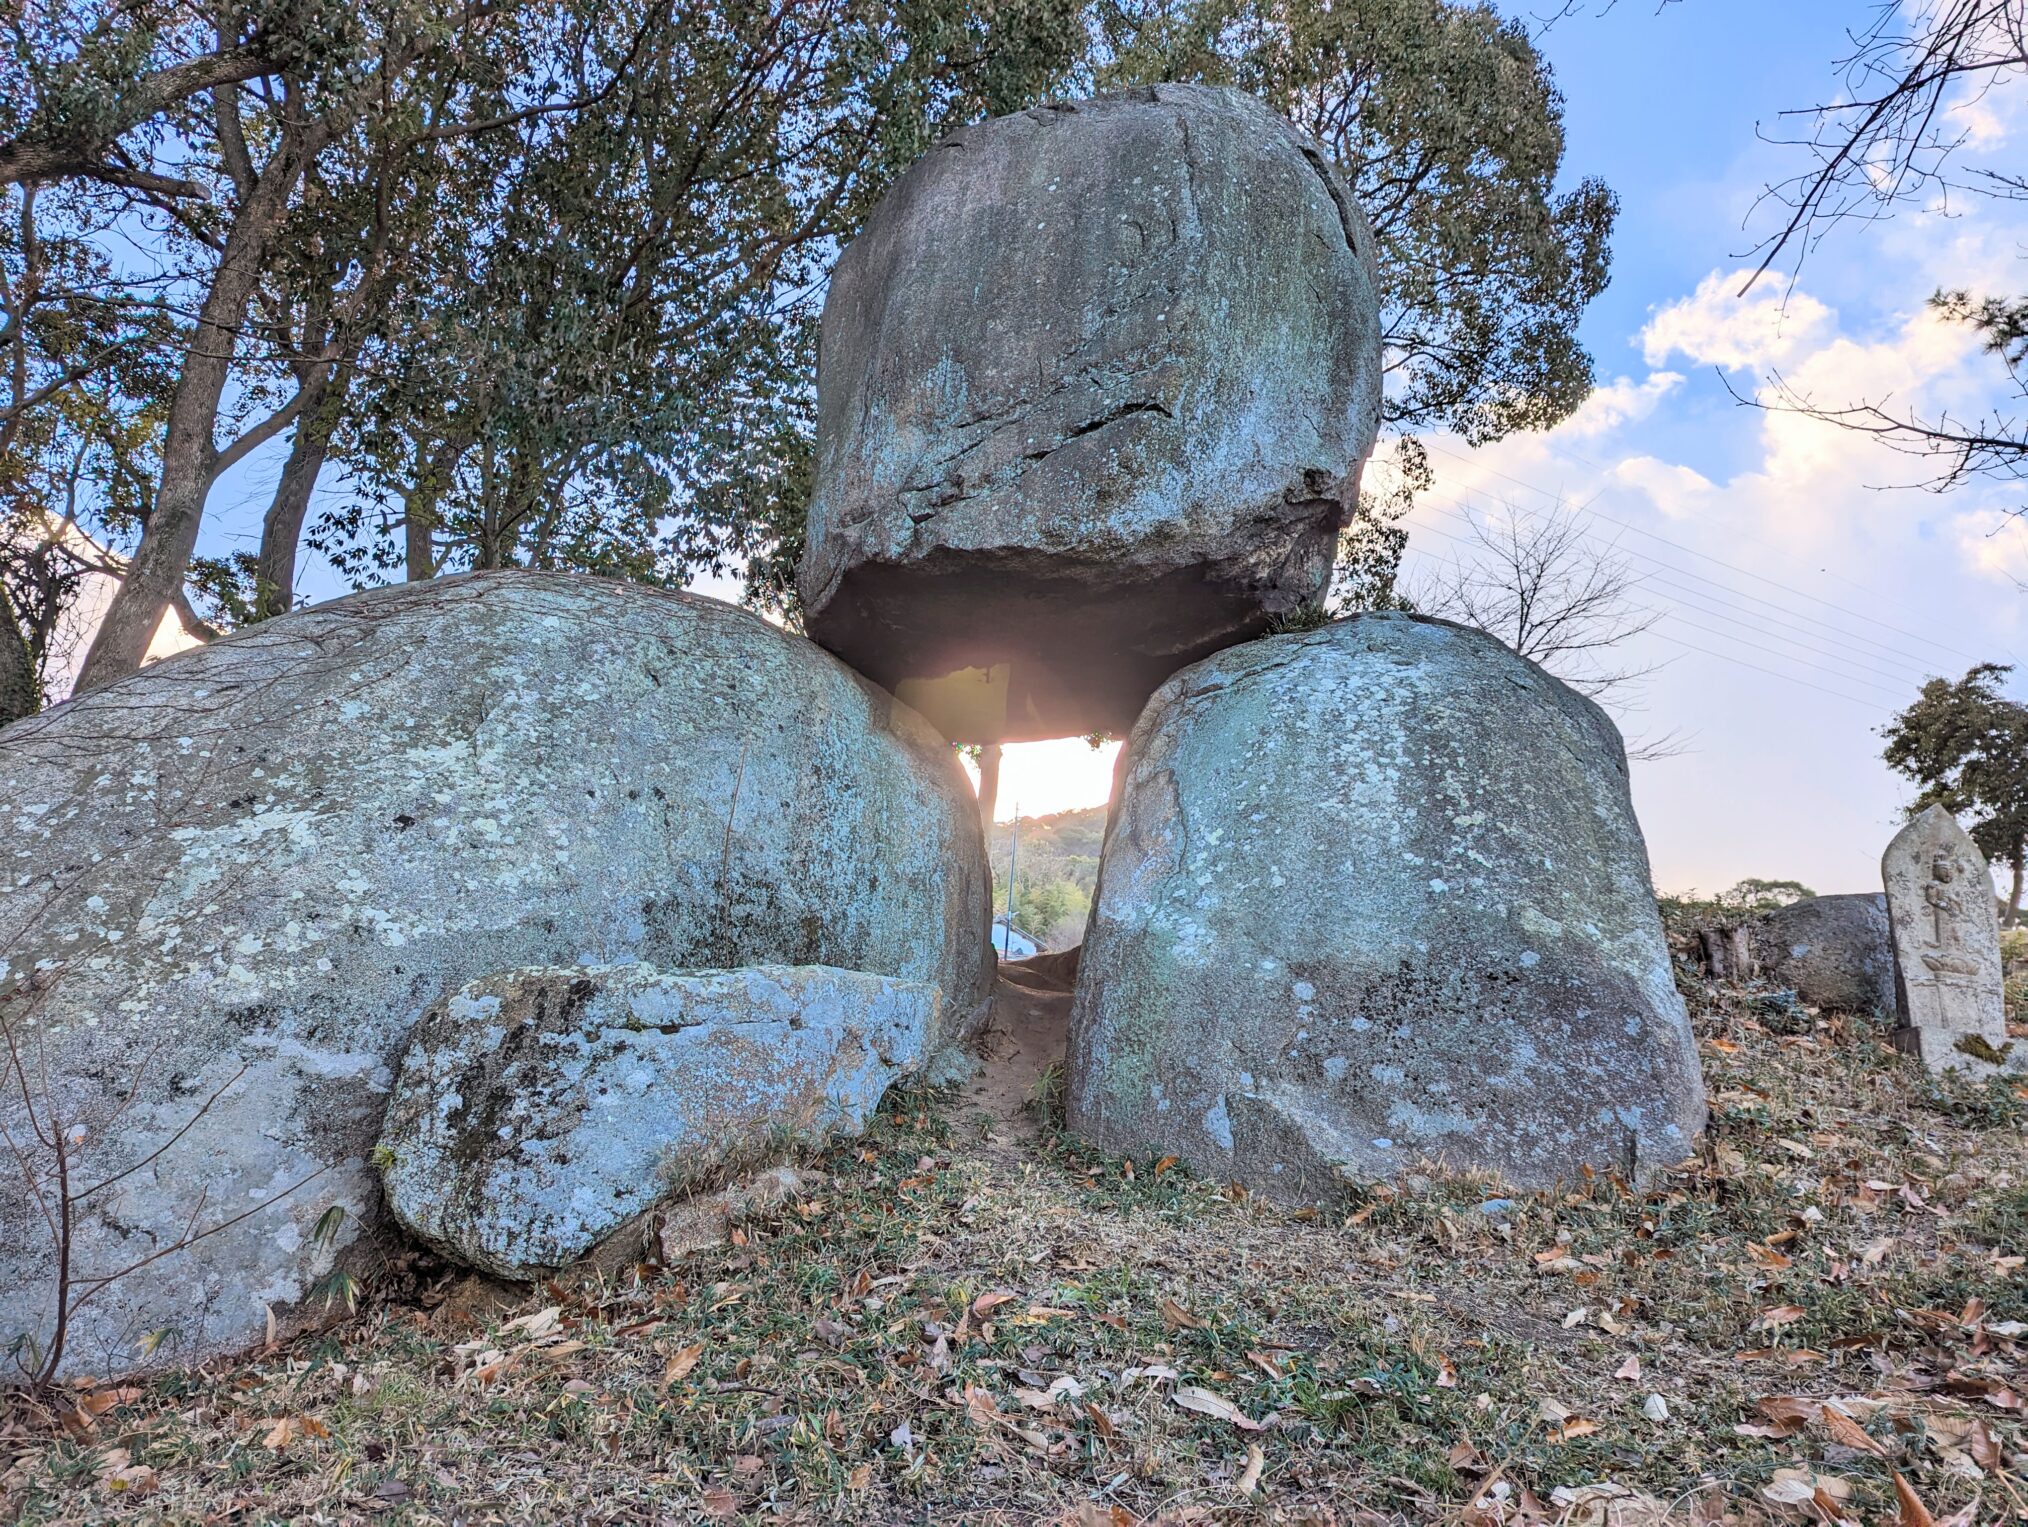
232 883
537 1112
1096 383
1374 896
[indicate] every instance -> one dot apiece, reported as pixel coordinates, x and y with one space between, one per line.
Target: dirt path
1031 1018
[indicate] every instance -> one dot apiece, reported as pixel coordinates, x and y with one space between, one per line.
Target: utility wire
1706 557
1700 602
1874 706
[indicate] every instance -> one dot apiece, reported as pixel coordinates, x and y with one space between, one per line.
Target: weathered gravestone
1096 384
232 882
1947 978
1374 896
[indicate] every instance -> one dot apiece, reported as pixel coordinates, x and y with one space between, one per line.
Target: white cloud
1717 326
1679 492
1994 545
1620 402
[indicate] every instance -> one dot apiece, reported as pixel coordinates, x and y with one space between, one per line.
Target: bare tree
1544 586
1897 135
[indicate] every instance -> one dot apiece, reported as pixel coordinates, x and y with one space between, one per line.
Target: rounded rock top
1097 381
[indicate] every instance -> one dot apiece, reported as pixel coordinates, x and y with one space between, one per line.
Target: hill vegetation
1055 872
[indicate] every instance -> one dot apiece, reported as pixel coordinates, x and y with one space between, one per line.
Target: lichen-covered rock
236 879
536 1112
1097 380
1370 896
1833 952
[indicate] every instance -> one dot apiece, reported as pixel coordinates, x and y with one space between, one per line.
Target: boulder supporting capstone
1373 898
235 880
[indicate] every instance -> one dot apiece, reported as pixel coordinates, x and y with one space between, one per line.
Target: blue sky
1818 600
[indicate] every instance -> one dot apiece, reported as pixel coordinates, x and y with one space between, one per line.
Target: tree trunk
1728 953
282 528
189 452
18 689
2014 891
419 504
989 786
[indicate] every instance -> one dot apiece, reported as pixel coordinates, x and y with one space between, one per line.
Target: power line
1785 616
1871 705
1699 601
1826 572
1716 561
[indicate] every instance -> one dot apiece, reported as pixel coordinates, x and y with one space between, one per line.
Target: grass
938 1334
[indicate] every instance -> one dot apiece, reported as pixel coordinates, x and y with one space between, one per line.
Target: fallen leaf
1205 1403
1176 1318
541 1323
860 1477
991 1301
1984 1449
1913 1512
289 1428
1780 1315
97 1402
1256 1460
1630 1369
1849 1433
1576 1317
680 1365
719 1501
1655 1408
135 1480
1576 1426
1789 1413
1801 1487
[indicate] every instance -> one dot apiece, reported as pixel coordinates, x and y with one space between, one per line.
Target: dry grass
1829 1298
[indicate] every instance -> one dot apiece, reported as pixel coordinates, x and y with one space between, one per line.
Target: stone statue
1946 936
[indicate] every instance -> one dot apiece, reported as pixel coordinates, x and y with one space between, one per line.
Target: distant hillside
1055 875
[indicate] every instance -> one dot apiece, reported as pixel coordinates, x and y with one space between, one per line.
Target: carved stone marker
1947 982
1097 380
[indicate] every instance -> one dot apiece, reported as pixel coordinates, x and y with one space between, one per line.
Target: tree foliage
534 283
1447 124
1966 745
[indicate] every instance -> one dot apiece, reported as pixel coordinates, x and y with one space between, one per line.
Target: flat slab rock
232 883
1374 896
538 1112
1096 384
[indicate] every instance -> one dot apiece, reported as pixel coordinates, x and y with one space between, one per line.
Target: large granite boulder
1833 952
1096 383
233 882
537 1112
1374 895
